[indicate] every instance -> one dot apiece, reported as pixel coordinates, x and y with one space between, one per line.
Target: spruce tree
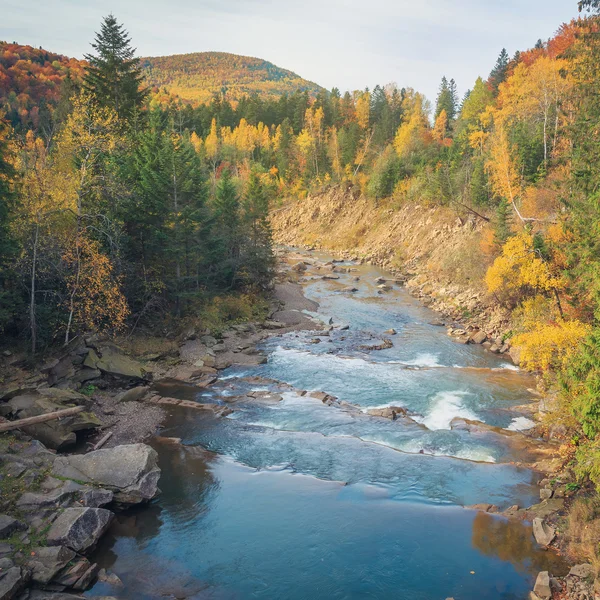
114 75
447 99
499 72
258 261
226 209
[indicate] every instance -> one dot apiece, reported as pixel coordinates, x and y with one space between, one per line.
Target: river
298 499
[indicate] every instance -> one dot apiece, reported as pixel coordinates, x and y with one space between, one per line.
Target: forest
137 208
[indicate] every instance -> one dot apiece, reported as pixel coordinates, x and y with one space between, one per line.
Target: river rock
546 494
543 533
8 525
390 332
60 497
129 471
46 562
542 586
299 267
350 289
13 582
478 337
388 412
95 497
113 362
583 571
79 528
134 394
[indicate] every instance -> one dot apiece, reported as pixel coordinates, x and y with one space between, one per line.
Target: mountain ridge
197 76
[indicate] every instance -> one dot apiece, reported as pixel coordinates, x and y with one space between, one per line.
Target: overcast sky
350 44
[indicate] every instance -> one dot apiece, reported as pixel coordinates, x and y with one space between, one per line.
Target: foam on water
445 407
425 359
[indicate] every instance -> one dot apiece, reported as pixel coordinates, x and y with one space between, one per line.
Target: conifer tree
447 99
227 229
114 75
499 72
258 260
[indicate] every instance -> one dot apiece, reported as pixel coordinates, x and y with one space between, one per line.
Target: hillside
196 77
30 79
435 249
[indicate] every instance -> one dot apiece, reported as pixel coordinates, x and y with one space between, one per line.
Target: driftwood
102 441
67 412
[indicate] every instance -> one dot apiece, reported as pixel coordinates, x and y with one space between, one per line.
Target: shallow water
298 499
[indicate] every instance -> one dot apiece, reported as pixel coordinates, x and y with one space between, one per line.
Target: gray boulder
46 562
544 534
134 394
8 525
112 361
583 571
542 586
13 582
129 471
96 497
79 528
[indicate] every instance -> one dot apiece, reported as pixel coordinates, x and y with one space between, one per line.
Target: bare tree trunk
73 293
32 321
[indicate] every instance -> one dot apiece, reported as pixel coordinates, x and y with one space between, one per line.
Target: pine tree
114 75
447 99
502 226
258 261
226 208
499 72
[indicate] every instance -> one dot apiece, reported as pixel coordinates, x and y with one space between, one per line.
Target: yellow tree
211 146
363 109
441 126
414 133
95 299
89 136
37 217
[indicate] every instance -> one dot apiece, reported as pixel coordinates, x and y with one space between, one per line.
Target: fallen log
67 412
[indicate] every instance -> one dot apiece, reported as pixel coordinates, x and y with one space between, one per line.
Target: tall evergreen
258 258
499 72
226 209
447 99
114 75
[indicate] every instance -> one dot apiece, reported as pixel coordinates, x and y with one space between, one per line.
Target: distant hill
197 76
30 79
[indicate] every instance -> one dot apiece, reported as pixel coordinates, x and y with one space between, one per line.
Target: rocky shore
56 505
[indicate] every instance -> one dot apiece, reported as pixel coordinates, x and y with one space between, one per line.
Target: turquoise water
297 499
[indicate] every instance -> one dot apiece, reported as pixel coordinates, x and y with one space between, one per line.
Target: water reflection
512 541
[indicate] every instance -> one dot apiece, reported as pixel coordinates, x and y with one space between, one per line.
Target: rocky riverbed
58 506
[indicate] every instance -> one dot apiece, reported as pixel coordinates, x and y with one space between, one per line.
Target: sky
349 44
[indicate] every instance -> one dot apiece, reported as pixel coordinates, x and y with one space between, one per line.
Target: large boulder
110 360
79 528
130 471
543 533
57 434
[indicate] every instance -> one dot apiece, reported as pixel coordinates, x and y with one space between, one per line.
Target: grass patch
582 531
